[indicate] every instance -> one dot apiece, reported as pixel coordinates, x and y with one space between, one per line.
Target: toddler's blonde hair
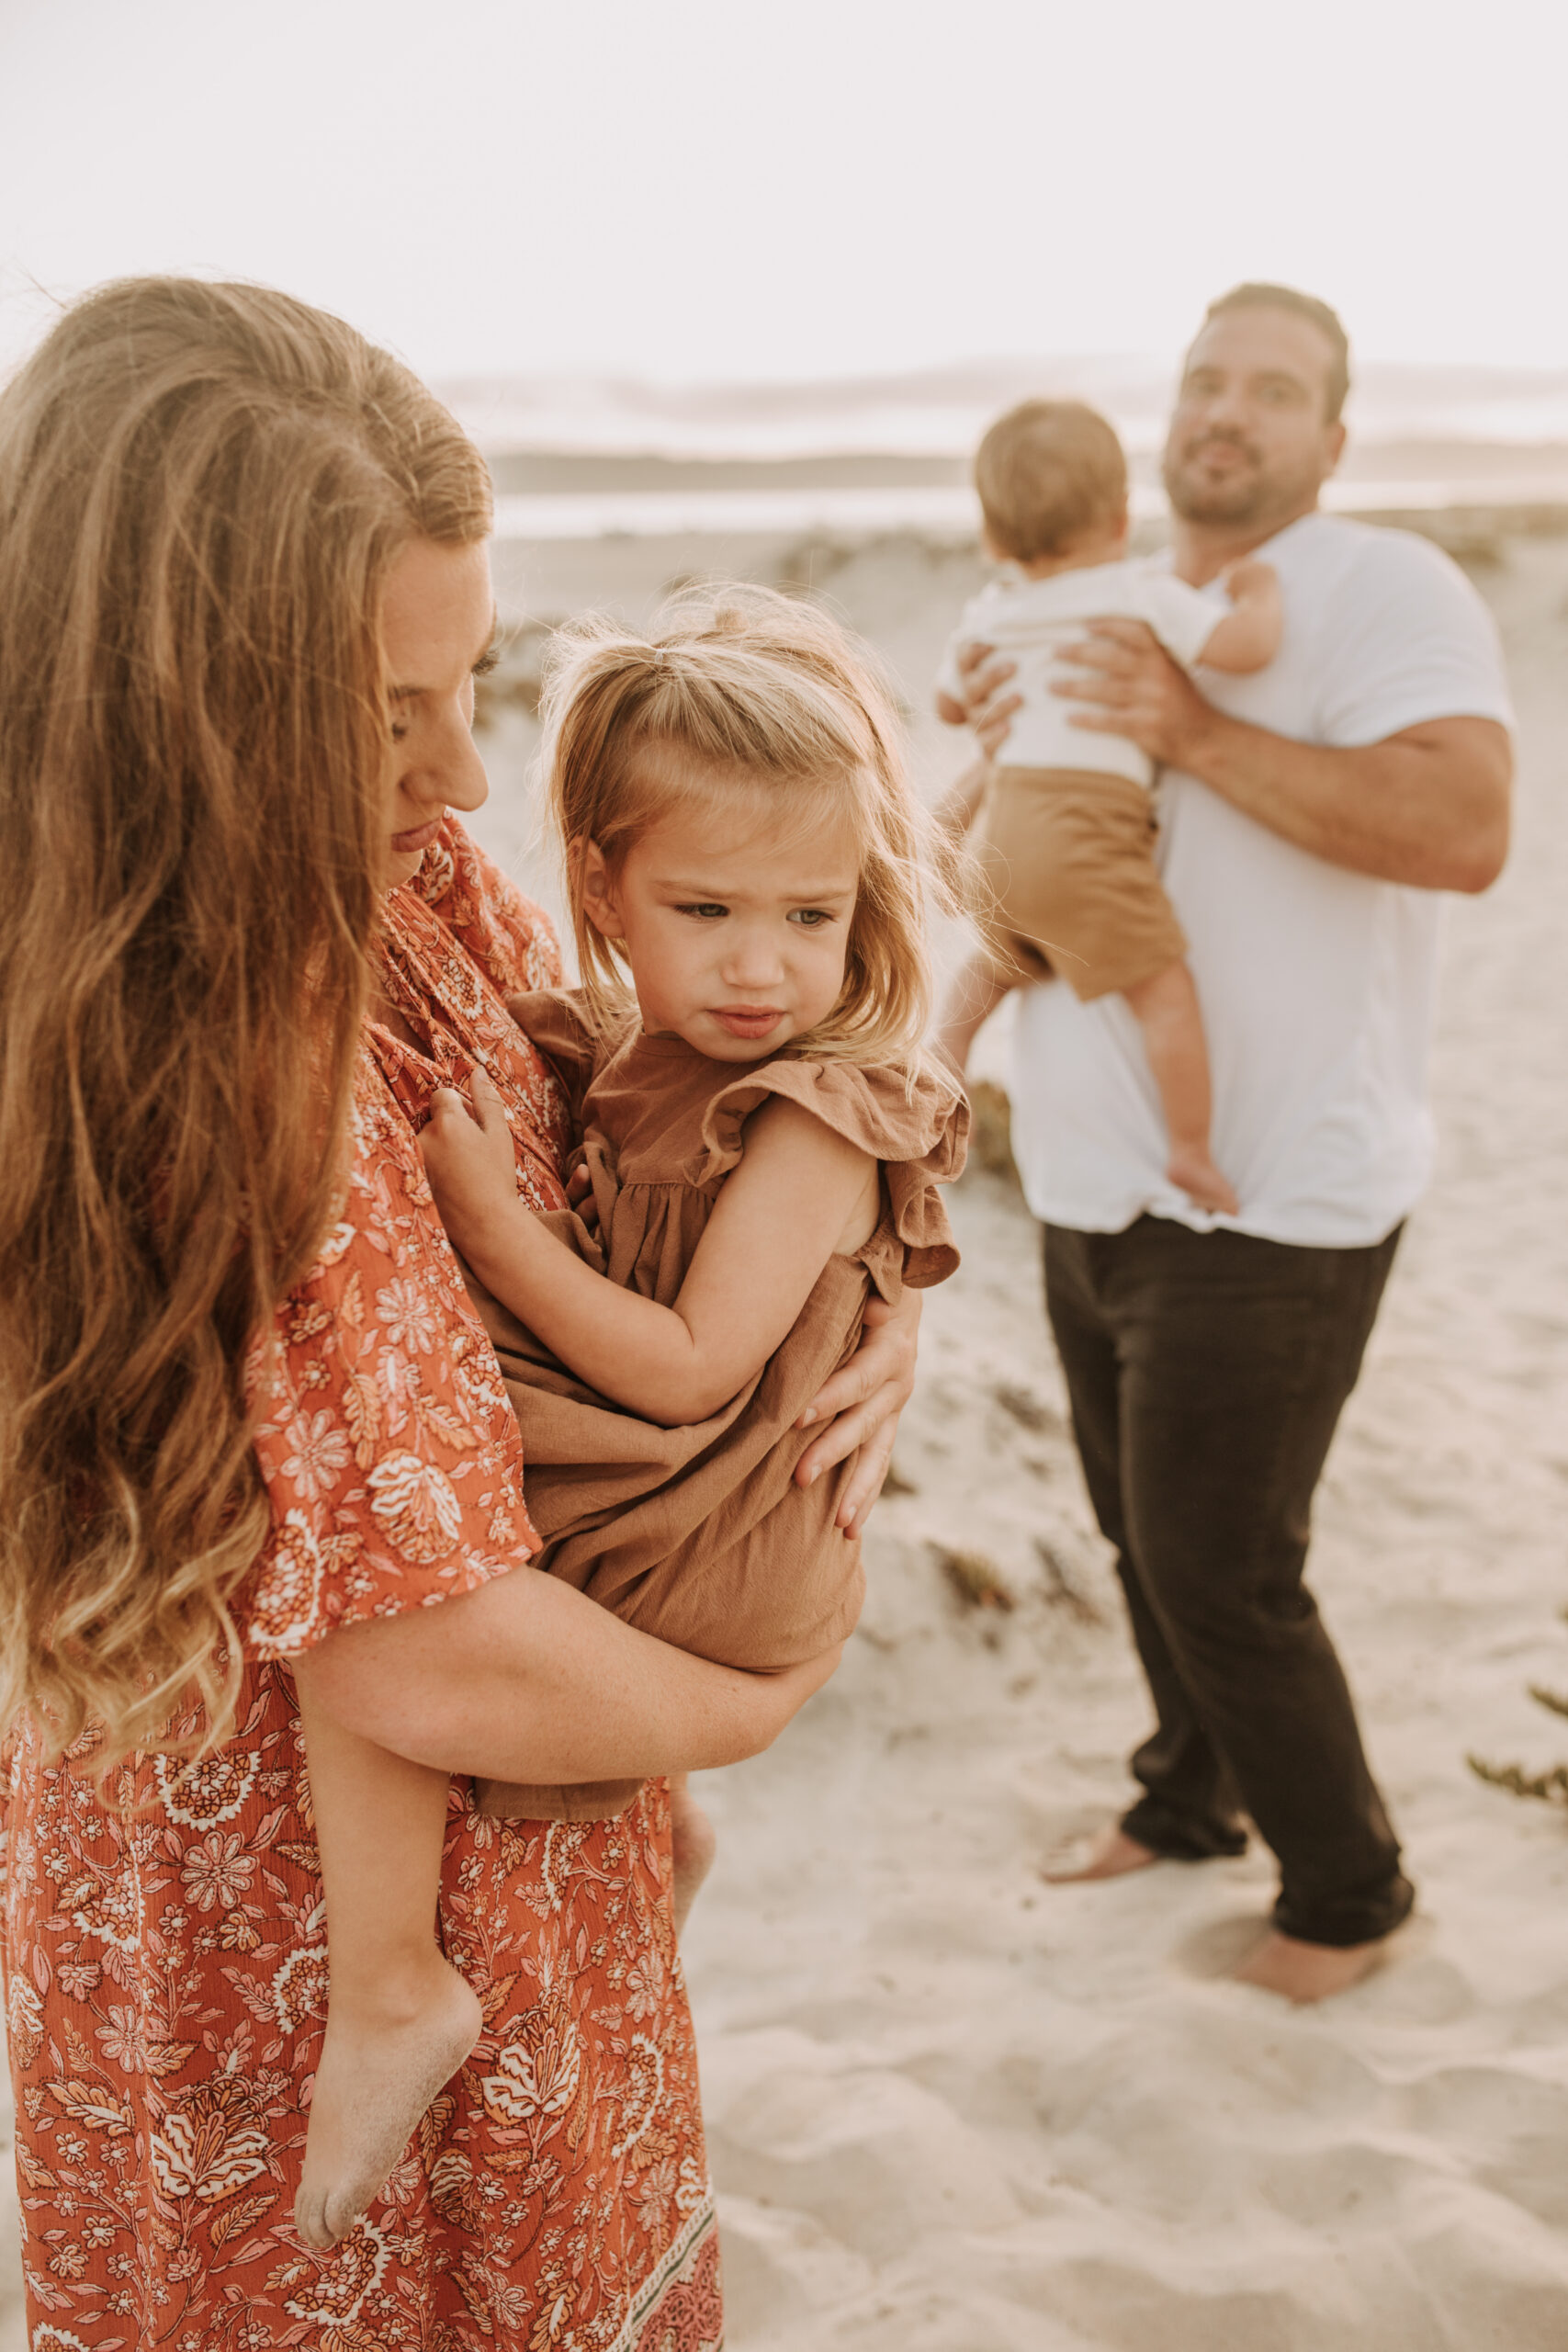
738 687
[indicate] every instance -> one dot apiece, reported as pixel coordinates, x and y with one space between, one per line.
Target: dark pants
1206 1373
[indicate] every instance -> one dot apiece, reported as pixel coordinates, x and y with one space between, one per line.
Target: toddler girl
764 1139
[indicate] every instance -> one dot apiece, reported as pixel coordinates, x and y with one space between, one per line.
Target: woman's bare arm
777 1221
527 1679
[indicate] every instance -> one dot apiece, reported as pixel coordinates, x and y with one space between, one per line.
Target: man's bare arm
1427 806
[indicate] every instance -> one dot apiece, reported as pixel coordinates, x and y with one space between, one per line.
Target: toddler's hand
468 1158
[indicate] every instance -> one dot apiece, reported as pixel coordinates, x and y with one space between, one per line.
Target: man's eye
703 908
399 729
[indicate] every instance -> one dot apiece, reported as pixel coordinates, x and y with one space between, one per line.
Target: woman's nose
455 772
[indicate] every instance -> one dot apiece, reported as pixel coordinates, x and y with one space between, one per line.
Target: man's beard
1248 498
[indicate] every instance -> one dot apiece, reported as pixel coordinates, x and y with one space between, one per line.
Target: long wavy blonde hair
202 490
739 689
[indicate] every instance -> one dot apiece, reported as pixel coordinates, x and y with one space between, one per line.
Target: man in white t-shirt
1312 814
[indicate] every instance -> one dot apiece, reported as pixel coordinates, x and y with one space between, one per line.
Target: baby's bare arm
1249 637
778 1220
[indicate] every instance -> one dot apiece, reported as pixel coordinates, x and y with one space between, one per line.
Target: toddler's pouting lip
748 1019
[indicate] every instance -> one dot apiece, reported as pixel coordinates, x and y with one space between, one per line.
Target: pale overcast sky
689 188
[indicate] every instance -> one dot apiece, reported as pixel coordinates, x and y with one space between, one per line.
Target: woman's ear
597 887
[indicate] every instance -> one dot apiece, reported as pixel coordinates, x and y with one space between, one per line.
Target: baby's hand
468 1158
1249 577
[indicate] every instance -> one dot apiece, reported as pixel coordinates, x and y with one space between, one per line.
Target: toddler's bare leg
1166 1011
973 998
401 2020
692 1839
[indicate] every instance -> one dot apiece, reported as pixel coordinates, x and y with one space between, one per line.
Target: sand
955 2111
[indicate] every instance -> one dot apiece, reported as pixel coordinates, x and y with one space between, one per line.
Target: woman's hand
861 1404
987 704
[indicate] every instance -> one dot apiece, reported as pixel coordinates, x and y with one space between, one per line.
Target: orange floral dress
164 1956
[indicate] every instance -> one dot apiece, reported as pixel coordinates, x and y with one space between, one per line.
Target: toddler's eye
705 910
810 917
399 729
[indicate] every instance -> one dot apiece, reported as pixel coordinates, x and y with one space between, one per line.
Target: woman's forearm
525 1680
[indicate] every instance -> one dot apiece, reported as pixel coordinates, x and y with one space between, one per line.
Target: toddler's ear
600 900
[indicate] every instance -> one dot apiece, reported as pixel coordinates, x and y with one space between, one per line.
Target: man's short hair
1048 473
1257 295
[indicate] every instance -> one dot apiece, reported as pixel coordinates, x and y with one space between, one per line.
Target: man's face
1250 442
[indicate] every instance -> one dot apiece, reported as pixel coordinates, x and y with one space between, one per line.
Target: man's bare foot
1303 1973
693 1846
1201 1181
1112 1855
378 2074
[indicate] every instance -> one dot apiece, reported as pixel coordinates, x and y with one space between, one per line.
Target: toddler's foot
377 2075
694 1846
1201 1181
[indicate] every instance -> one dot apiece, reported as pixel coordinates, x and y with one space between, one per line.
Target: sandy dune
954 2110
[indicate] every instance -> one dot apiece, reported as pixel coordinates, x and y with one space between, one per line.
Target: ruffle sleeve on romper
920 1132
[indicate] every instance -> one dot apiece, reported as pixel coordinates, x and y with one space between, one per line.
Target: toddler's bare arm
1249 637
778 1220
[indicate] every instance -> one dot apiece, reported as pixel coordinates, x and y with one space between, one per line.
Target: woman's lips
748 1020
405 845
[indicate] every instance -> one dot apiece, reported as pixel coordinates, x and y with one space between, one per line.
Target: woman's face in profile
437 620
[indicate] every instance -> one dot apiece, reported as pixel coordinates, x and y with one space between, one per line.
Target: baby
1063 831
765 1139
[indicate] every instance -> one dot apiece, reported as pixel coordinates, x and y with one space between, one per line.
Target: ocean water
582 458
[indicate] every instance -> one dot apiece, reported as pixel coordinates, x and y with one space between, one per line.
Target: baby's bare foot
1201 1181
693 1844
377 2075
1112 1855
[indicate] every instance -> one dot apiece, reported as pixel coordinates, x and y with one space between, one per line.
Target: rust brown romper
698 1534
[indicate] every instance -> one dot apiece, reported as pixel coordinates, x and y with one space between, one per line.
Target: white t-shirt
1032 620
1317 986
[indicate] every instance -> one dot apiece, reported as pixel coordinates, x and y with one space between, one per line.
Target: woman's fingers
868 1394
866 1478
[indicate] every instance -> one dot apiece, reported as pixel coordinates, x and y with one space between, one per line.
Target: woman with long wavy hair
250 1427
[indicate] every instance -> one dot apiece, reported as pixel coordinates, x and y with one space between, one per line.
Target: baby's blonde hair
747 688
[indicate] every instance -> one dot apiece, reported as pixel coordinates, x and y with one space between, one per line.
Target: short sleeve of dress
919 1133
390 1456
513 941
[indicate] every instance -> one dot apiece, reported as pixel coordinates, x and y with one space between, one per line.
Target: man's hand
987 704
1427 806
860 1406
1126 684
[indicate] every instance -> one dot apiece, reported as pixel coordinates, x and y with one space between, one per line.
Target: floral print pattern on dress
165 1962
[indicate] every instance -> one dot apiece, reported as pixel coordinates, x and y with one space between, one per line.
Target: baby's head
1053 483
739 830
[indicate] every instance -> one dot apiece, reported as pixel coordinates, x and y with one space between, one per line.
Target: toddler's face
736 940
